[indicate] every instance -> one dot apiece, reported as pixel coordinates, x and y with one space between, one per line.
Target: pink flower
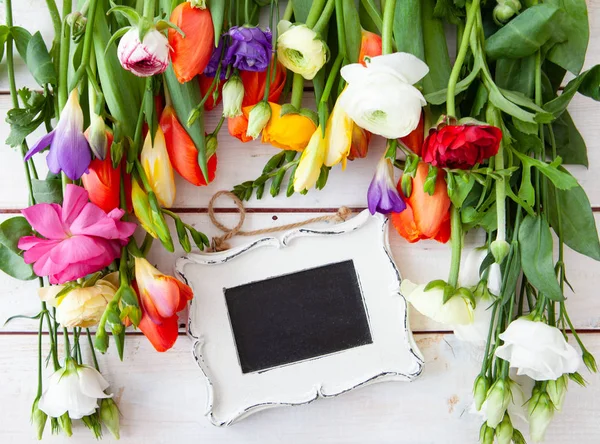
78 238
145 58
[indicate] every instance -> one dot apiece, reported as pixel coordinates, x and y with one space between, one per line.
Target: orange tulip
370 46
190 54
254 90
414 141
205 83
182 151
289 132
103 182
425 216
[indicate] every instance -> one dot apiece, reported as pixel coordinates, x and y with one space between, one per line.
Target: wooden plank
420 262
162 399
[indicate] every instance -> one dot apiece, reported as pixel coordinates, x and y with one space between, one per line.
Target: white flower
147 58
300 50
431 303
380 97
537 350
74 389
233 95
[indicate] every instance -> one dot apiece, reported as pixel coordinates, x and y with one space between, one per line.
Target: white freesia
74 389
431 304
380 96
477 331
145 58
300 49
537 350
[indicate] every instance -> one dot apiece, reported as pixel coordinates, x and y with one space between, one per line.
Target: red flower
461 146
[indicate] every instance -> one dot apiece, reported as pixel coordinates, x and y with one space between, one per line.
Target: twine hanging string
219 243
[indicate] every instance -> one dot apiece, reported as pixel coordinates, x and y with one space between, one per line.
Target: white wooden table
162 396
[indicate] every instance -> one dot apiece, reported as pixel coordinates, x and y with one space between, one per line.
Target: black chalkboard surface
298 316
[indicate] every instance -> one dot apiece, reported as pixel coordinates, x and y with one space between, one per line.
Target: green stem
91 343
341 29
289 11
67 342
456 237
315 12
40 376
146 244
65 47
337 64
373 13
149 8
460 58
247 11
488 343
87 45
323 21
387 31
297 91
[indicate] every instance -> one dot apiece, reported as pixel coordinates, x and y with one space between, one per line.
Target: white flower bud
541 412
258 118
497 401
557 391
480 389
233 95
97 137
504 431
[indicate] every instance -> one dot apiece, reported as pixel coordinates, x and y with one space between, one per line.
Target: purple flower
69 149
382 195
246 48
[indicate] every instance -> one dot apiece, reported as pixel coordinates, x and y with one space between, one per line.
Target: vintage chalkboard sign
284 320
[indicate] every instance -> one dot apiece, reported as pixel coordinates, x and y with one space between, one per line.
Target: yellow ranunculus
289 132
156 163
300 49
81 307
311 161
338 135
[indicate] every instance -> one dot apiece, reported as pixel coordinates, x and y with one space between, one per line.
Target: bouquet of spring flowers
480 144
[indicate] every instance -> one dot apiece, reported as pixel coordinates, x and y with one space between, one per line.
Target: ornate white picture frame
388 352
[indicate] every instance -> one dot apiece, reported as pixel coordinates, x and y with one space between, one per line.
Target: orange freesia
161 297
414 141
103 182
370 46
182 151
190 54
254 90
289 132
425 216
205 83
360 143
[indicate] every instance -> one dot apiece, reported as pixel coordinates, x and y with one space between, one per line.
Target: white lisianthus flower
146 58
541 412
233 95
431 304
380 96
537 350
74 389
515 407
300 49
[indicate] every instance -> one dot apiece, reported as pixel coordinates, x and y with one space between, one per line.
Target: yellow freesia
156 164
311 161
338 134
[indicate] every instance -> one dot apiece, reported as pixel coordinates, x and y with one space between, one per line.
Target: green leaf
13 264
435 50
408 28
439 97
587 83
560 179
353 30
524 34
577 221
461 187
4 32
480 100
13 229
47 191
525 143
513 272
516 74
535 245
569 143
448 10
39 61
570 54
301 9
217 12
507 106
22 37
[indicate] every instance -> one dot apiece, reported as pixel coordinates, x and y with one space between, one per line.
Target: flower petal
46 220
74 201
411 68
92 383
42 143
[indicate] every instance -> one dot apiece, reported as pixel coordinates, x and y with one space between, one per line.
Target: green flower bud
211 146
129 305
200 4
557 391
480 389
504 431
498 398
38 419
406 183
97 137
541 411
500 250
109 413
590 361
233 95
77 22
92 422
518 437
505 10
486 434
65 424
101 340
258 118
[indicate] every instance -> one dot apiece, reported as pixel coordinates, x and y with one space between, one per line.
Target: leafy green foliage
570 53
435 50
569 143
47 191
352 30
11 261
39 61
408 27
535 245
587 83
37 108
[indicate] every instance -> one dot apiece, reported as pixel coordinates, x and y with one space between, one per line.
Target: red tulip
425 216
103 182
162 336
182 151
205 83
190 54
370 46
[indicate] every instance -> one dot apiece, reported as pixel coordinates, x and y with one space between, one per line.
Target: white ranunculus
431 304
300 49
74 389
146 58
380 96
537 350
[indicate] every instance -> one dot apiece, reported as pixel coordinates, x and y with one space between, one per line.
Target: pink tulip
146 58
79 238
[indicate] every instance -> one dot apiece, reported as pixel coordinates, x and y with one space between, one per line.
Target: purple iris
247 49
69 149
382 196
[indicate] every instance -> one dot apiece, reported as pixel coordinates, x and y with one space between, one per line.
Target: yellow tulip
338 134
81 307
156 164
311 161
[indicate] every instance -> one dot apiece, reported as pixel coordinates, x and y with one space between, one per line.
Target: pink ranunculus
79 238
